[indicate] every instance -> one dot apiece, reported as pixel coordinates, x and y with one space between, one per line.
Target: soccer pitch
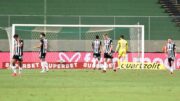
90 85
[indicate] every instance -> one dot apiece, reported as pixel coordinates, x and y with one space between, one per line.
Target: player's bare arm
38 46
21 43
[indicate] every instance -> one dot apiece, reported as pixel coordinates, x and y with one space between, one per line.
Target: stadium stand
172 7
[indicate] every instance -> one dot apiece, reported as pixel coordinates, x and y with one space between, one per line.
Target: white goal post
138 28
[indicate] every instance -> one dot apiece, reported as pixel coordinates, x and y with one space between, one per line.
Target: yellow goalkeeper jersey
122 45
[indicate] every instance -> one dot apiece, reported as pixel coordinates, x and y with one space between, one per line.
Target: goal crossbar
57 25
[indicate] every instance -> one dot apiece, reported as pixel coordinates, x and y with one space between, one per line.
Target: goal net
76 38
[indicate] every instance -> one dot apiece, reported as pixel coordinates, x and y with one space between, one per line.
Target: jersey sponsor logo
171 50
18 47
107 44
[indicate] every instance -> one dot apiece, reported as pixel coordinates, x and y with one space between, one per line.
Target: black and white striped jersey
171 50
96 45
18 47
44 45
107 45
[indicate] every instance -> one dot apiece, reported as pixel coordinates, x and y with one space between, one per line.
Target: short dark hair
43 34
97 37
122 36
105 34
16 36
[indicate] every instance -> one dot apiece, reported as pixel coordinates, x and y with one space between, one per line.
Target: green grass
90 85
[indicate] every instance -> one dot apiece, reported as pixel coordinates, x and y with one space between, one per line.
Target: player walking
96 47
170 51
108 52
17 54
121 48
42 53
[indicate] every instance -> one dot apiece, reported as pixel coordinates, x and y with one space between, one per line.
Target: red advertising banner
80 60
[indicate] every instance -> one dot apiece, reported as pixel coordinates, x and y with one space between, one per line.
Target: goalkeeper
121 48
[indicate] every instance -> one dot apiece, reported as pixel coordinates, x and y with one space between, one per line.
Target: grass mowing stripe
88 85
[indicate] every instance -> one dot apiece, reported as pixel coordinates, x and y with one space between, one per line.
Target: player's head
42 35
105 36
169 40
16 36
122 37
97 36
